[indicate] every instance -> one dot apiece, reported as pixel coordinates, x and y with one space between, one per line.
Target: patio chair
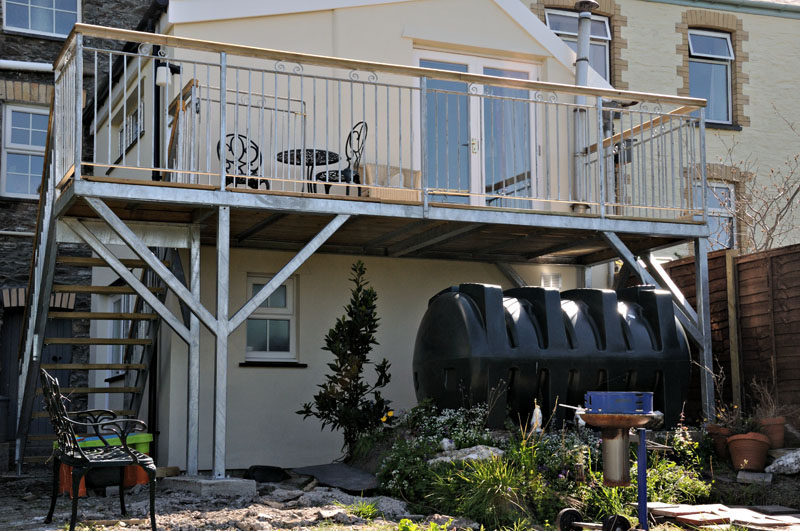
104 423
353 149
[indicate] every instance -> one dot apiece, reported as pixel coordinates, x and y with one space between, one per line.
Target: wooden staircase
138 349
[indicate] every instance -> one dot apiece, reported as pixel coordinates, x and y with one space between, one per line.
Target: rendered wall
262 427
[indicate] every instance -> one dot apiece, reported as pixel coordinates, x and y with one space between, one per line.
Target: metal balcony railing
236 118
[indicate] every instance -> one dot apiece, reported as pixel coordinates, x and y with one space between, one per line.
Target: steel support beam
124 273
511 274
432 237
632 262
304 254
704 325
257 227
136 245
221 369
664 280
328 206
193 414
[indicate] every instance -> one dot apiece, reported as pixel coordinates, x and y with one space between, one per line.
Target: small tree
766 208
346 401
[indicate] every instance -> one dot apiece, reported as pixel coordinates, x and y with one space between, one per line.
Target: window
721 202
131 128
24 137
271 328
551 280
42 17
119 330
565 25
710 56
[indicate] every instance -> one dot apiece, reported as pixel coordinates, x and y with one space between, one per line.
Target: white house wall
263 427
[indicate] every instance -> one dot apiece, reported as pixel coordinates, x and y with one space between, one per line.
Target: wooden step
95 341
107 316
45 414
90 261
94 366
94 390
35 458
102 290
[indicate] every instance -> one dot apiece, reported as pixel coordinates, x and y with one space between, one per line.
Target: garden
446 460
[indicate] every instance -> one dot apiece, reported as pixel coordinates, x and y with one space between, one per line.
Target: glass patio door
480 139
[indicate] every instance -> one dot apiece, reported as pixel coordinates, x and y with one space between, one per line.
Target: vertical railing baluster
601 152
78 131
223 115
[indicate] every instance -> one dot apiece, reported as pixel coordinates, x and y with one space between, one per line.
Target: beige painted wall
262 425
772 67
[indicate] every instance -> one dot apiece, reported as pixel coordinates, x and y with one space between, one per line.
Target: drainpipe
26 66
579 188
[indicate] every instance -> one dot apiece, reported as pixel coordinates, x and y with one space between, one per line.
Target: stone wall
19 215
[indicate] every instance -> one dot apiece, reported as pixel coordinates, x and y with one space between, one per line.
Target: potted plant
728 417
747 447
770 414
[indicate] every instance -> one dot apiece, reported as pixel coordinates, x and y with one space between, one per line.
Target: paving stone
745 476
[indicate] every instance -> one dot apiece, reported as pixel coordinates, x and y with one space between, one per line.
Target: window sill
723 127
275 364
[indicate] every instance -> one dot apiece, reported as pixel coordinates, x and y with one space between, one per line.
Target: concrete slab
203 486
745 476
341 476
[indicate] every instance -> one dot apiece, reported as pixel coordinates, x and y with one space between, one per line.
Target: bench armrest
96 415
119 427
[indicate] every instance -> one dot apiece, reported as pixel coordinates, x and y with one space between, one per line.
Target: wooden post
771 287
731 280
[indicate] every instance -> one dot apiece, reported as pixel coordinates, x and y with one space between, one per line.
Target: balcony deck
547 174
281 221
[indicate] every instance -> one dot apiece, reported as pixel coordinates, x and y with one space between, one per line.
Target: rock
341 476
466 454
325 496
786 464
447 445
136 489
251 526
339 516
452 522
266 474
753 477
285 495
311 486
390 507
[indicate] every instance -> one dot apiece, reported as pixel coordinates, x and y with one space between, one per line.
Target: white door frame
475 65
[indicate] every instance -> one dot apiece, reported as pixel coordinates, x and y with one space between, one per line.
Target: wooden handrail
629 133
102 32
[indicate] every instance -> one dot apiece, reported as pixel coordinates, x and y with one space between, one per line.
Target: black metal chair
353 149
104 423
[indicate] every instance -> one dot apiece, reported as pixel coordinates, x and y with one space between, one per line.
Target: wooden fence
755 321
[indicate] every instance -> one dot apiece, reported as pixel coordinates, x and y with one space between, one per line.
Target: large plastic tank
478 344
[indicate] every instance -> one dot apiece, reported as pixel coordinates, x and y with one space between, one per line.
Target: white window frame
116 353
594 39
16 29
288 313
722 212
727 61
22 149
552 280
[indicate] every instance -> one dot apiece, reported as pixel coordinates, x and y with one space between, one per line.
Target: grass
362 509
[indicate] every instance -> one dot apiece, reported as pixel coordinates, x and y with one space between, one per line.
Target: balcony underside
286 223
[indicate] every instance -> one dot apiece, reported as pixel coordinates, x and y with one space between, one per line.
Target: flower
390 413
383 418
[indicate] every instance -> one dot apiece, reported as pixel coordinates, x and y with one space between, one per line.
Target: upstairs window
721 203
710 58
565 25
24 138
53 18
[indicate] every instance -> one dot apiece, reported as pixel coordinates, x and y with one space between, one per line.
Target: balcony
465 153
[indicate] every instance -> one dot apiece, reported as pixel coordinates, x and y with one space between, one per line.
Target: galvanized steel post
221 377
193 435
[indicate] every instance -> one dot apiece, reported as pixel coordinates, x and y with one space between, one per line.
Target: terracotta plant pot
748 451
719 435
772 427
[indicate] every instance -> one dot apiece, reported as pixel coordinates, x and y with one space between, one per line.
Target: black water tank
536 343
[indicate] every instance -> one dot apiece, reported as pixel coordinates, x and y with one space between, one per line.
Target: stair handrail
31 374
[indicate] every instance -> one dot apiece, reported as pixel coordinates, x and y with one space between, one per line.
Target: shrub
343 402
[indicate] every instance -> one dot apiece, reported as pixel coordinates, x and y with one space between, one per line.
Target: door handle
474 143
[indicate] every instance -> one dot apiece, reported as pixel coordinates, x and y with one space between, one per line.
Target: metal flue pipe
579 187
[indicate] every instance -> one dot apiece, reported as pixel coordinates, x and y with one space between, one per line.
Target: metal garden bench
105 424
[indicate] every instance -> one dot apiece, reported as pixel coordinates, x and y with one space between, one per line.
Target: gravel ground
297 503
